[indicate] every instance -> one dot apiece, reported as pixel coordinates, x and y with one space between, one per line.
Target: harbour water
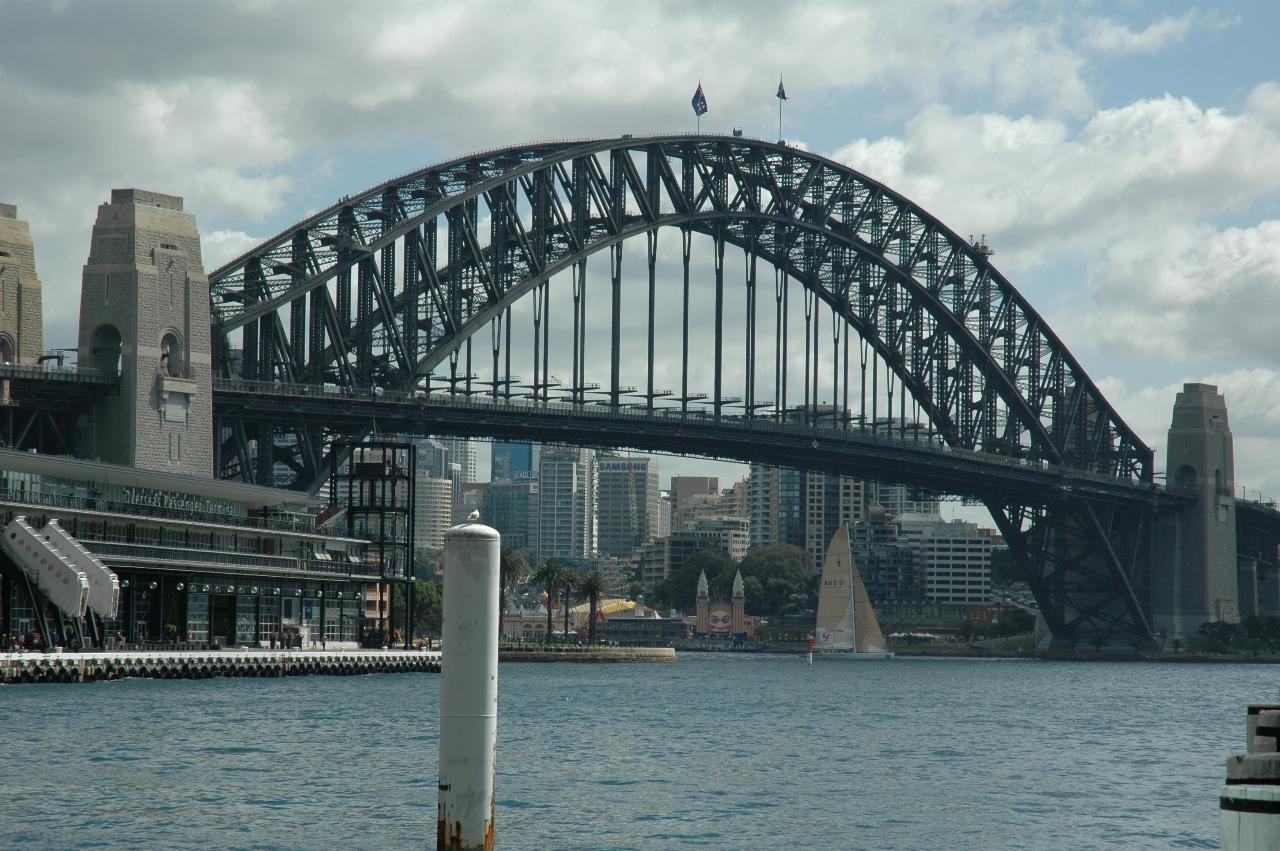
714 751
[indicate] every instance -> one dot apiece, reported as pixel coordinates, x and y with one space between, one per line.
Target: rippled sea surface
714 751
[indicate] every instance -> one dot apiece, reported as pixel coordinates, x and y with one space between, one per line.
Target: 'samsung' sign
623 466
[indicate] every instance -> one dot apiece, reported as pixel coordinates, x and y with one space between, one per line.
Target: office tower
627 503
462 451
683 487
513 461
567 503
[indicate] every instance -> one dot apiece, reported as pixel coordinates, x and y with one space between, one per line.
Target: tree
549 576
1220 635
511 568
1261 632
428 606
1005 569
681 587
592 586
781 574
568 581
426 562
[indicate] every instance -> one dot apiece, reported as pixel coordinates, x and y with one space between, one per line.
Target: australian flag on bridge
699 102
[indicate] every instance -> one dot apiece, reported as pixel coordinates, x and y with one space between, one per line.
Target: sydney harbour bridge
707 295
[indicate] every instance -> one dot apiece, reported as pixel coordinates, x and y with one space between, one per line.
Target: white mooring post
1249 808
468 689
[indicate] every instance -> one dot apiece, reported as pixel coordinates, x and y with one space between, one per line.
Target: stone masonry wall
145 280
21 316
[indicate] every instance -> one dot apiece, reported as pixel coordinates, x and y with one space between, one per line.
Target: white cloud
1129 201
223 246
1253 413
1104 35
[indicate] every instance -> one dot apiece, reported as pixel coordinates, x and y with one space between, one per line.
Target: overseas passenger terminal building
116 529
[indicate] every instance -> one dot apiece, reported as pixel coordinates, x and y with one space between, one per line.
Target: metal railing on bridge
852 432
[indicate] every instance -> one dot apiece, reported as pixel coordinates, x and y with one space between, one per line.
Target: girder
387 288
956 336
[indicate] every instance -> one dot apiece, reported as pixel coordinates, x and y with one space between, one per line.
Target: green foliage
1220 636
680 588
428 605
426 561
778 580
1261 633
1013 622
548 576
591 586
1004 568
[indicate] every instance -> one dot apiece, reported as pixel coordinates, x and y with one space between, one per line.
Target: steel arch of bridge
385 286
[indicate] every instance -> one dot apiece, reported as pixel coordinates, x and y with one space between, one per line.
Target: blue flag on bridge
782 93
699 102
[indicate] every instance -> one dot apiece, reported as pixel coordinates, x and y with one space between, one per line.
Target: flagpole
779 119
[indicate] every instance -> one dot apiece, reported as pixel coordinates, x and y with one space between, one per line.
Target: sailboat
847 625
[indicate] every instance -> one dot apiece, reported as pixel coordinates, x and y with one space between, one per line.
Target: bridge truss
801 293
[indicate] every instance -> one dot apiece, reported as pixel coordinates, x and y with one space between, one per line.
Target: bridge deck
855 450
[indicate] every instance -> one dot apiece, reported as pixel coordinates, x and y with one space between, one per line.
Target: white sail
846 623
835 621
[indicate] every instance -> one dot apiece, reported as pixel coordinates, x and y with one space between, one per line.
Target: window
171 360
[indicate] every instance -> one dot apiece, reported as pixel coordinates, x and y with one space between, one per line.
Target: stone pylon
144 320
1196 548
21 328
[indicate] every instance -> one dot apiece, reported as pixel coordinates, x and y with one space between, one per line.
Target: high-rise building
433 510
462 451
956 557
627 503
472 497
829 503
567 503
664 514
512 507
683 487
514 461
730 533
774 506
898 500
433 457
892 569
21 328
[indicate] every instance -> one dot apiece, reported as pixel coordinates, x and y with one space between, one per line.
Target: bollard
468 689
1249 807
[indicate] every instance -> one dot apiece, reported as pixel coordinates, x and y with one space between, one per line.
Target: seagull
473 516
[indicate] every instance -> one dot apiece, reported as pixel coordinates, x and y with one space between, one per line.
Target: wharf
203 664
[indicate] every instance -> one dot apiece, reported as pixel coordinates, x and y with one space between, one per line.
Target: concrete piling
469 690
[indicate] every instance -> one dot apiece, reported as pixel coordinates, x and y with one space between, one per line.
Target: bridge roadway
856 451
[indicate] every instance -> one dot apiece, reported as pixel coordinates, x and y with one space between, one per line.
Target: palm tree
549 576
569 581
592 586
511 568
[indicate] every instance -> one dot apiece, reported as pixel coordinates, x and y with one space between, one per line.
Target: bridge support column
144 319
1247 581
1196 574
1087 564
1268 590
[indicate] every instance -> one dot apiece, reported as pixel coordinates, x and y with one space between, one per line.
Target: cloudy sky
1122 158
